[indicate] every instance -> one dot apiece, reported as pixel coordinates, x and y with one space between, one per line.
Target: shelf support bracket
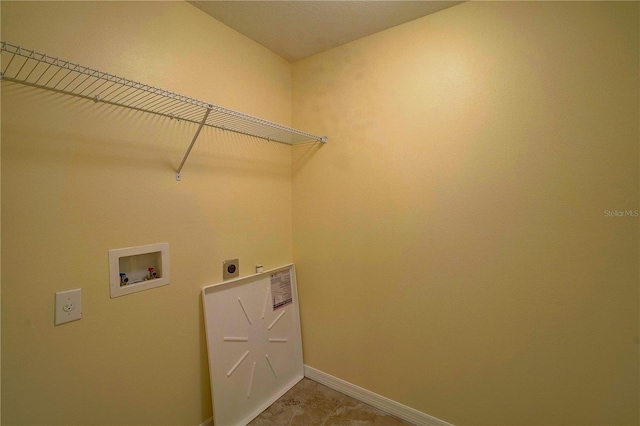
193 141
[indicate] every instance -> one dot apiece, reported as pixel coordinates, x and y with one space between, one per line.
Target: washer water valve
152 274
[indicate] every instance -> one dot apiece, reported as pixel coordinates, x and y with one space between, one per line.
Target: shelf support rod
193 141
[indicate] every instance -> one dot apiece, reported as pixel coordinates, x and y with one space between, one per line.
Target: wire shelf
40 70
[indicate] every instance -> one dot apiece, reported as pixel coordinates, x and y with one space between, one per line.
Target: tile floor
311 404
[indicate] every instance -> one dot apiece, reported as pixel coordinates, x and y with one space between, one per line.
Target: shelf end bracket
193 141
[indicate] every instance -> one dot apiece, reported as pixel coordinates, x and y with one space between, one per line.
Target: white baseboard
208 422
387 405
380 402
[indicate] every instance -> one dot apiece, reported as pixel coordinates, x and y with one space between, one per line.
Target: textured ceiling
297 29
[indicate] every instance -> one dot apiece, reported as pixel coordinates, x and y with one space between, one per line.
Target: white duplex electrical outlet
68 305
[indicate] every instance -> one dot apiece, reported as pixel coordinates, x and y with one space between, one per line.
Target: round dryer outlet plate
230 269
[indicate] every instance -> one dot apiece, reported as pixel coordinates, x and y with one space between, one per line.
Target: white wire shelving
40 70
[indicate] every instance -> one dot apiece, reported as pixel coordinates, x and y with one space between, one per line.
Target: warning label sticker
281 289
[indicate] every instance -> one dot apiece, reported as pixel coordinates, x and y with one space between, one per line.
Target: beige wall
80 178
452 247
451 239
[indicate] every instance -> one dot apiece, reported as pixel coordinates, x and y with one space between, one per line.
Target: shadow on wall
302 153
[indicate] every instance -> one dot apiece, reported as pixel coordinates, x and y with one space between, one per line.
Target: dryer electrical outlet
230 269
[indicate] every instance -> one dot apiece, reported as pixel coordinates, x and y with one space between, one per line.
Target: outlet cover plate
68 305
230 269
